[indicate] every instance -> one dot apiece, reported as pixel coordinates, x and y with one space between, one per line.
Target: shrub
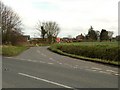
105 51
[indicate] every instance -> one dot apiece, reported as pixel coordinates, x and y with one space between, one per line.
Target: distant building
37 40
80 37
26 37
23 39
58 40
66 39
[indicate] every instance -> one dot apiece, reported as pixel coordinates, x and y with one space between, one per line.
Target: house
23 39
58 40
66 39
80 37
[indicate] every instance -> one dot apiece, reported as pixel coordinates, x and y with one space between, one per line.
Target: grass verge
12 50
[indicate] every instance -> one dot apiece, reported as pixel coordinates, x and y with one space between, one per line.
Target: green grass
13 50
104 52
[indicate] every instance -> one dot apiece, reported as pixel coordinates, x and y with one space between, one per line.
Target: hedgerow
103 51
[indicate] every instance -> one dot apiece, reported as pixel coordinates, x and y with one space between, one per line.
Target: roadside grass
103 52
12 50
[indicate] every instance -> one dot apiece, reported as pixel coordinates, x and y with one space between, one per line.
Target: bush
105 51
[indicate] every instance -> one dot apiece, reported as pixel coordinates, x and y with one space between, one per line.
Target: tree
49 29
92 35
43 32
69 36
110 34
104 35
98 35
10 22
118 38
41 29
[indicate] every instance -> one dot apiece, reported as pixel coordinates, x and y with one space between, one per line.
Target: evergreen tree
104 35
92 35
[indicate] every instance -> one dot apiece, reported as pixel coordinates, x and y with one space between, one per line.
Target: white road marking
43 55
104 72
33 61
45 80
22 59
66 64
52 59
116 74
29 60
49 63
75 67
90 70
96 68
41 62
112 71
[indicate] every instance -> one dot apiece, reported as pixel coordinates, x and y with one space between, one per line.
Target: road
38 67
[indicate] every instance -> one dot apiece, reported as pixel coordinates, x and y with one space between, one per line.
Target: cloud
73 16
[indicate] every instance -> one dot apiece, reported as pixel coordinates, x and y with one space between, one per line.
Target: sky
73 16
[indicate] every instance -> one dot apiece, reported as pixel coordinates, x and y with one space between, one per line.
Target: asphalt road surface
40 68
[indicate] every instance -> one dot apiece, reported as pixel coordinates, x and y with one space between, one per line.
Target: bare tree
110 34
41 29
49 29
10 22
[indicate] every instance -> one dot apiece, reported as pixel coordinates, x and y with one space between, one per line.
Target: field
105 52
12 50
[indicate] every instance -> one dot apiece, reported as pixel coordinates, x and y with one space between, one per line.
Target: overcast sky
73 16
